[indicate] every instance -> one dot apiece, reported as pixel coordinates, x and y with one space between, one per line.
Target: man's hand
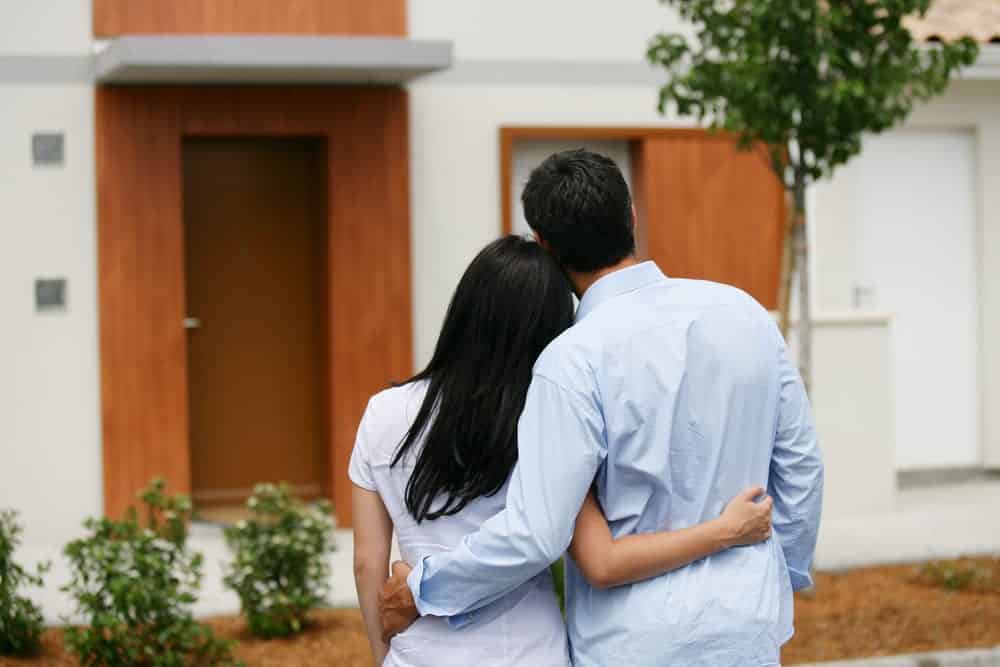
396 606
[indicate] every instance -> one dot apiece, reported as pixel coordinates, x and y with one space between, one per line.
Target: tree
801 81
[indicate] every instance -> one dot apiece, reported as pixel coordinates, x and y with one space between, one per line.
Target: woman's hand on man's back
747 518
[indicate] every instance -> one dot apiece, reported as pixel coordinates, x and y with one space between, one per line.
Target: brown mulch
868 612
895 609
334 638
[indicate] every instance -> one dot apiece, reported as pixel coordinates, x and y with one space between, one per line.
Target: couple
651 435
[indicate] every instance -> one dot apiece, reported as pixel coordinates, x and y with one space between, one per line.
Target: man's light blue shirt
670 397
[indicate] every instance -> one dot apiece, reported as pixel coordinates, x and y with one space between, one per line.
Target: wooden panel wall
140 227
141 296
369 254
710 211
288 17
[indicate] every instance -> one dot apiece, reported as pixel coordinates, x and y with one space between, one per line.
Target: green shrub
135 582
960 574
280 569
21 620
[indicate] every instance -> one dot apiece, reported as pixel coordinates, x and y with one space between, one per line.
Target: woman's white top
525 628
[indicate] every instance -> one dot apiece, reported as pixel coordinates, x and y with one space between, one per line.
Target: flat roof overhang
268 59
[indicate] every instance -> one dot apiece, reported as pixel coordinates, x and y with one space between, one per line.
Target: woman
433 457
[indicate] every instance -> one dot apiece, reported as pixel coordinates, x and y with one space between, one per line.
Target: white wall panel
558 30
50 453
934 185
29 27
916 256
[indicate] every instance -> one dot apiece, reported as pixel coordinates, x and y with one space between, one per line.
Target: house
224 224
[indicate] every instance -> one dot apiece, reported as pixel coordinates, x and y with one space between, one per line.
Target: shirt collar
615 284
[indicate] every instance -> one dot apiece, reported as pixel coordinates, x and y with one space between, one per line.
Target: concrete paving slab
967 658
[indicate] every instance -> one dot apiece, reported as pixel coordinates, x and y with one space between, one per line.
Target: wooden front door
141 131
254 255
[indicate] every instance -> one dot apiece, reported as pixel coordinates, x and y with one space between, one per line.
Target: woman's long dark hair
511 302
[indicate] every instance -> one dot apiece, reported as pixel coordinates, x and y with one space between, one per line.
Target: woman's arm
607 562
372 545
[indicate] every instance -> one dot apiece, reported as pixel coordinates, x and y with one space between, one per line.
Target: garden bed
867 612
335 638
897 609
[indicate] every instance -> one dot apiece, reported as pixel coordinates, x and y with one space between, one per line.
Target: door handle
192 323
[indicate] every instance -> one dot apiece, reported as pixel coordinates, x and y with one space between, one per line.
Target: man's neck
583 281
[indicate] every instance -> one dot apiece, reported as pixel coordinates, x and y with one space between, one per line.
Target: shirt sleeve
560 446
796 480
360 468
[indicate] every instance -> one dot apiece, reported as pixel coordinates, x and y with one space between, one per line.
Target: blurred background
224 224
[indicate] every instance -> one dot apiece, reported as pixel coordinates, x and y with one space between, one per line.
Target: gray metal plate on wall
47 148
50 294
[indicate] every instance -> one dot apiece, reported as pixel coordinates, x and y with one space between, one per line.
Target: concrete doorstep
964 658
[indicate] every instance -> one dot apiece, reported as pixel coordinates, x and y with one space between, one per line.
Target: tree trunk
805 311
787 266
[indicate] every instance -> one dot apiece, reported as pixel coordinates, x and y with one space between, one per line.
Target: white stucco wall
54 27
50 454
558 30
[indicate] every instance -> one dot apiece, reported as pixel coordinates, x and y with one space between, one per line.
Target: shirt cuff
800 579
415 580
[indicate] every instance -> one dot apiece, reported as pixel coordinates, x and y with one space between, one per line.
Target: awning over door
268 59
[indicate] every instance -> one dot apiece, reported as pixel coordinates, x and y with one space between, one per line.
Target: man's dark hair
579 204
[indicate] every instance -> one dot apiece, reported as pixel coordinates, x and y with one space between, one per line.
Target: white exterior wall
853 399
552 30
32 27
969 106
50 452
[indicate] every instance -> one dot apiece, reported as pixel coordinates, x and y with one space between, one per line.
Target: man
669 397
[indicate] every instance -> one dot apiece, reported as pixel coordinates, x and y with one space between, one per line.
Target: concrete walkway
930 522
969 658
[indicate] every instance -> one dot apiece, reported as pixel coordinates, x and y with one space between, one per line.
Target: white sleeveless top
525 628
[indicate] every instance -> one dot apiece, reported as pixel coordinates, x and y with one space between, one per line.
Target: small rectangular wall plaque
50 294
48 148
